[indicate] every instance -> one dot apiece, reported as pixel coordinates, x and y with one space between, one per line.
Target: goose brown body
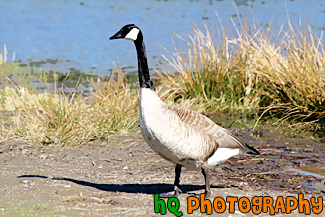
183 136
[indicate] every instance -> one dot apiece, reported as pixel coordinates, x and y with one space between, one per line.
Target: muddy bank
118 177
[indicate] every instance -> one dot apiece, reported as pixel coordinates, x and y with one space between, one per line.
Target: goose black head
129 32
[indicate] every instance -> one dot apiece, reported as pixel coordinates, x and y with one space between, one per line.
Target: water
72 35
317 171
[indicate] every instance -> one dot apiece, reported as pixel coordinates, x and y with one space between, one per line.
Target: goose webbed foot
169 194
176 191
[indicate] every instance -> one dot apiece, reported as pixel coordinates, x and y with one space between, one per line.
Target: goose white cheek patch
132 35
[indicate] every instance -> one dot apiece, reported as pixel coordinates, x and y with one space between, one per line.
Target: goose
182 136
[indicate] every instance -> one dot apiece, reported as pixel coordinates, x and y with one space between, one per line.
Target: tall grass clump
53 116
117 103
274 72
209 73
294 72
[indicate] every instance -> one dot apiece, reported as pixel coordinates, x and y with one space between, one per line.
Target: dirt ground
119 177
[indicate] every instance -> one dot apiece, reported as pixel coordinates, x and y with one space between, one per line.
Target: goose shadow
156 188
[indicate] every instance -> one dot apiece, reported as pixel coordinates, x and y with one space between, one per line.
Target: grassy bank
55 115
275 74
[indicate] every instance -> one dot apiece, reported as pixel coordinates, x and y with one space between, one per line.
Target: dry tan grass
65 119
278 73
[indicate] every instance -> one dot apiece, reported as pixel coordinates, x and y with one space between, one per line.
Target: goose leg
176 190
205 173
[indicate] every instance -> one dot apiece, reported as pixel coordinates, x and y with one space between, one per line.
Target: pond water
72 35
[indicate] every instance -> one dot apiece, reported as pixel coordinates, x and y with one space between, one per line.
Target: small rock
43 156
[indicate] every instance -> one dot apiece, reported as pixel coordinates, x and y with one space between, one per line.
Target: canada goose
184 137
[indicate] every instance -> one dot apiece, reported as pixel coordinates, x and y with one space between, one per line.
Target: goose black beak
116 36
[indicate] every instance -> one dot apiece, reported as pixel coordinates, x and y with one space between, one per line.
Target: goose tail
251 150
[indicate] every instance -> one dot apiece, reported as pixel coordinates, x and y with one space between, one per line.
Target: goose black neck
143 70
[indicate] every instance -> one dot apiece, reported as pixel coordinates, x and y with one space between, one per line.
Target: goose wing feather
219 136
